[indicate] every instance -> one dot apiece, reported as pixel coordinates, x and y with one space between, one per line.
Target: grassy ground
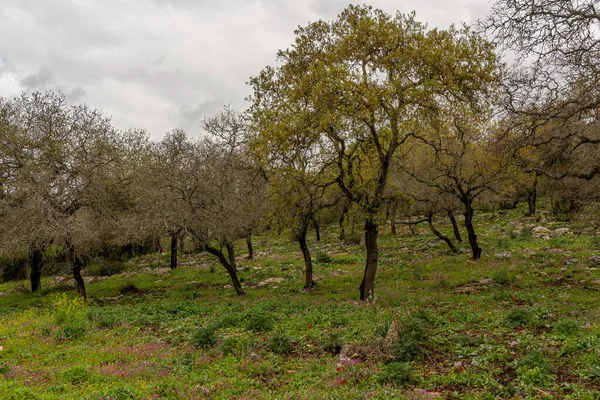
522 322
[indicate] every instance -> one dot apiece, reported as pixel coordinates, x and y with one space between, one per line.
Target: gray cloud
164 64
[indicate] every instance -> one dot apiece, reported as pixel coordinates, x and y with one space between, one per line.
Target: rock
474 287
540 232
270 280
562 231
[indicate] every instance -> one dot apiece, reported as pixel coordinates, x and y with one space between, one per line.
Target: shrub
332 342
503 277
228 321
381 330
72 330
399 373
204 337
518 317
535 359
233 346
323 258
280 343
412 339
76 375
259 323
565 327
525 233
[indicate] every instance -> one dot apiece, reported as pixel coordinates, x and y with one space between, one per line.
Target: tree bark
250 248
174 243
228 265
439 234
76 267
471 231
342 220
532 198
36 263
317 230
308 267
367 286
454 226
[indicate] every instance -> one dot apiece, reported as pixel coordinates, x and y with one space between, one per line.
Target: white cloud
162 64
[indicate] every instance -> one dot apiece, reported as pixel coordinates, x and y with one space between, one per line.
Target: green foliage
280 343
228 321
332 342
503 277
413 337
518 316
382 329
565 327
4 369
525 233
76 375
204 337
399 373
259 323
323 258
353 238
234 346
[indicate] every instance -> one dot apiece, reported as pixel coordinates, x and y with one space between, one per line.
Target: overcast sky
161 65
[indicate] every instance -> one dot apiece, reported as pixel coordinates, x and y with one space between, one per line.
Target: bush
234 346
525 233
204 338
399 373
280 343
228 321
412 339
332 342
503 277
535 359
518 317
259 323
72 330
565 327
323 258
381 330
76 375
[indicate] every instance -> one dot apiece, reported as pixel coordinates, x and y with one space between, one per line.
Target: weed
399 373
76 375
204 337
525 233
382 329
323 258
412 339
332 342
259 323
518 317
280 343
228 321
565 327
503 277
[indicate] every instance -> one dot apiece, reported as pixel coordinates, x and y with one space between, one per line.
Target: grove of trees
371 114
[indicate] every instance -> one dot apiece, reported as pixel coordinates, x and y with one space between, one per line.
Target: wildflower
418 345
309 326
338 369
512 298
343 382
513 343
482 318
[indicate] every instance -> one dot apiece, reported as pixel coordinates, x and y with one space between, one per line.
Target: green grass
153 333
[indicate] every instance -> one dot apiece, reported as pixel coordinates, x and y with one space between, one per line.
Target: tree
371 75
57 185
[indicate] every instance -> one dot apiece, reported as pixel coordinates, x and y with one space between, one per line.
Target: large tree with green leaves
371 77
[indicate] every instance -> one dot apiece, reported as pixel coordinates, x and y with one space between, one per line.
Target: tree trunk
367 286
454 226
76 266
174 250
471 231
308 267
229 265
342 220
439 234
532 198
250 248
36 263
317 230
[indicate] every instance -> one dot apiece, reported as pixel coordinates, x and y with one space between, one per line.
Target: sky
165 64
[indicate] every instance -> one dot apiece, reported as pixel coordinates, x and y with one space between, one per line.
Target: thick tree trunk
174 245
367 287
439 234
454 226
36 263
317 230
229 265
308 267
250 248
471 231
